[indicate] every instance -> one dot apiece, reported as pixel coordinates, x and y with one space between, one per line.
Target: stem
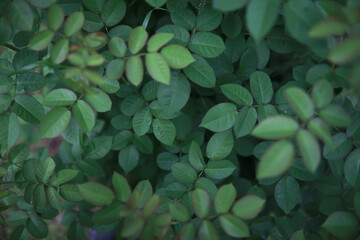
11 47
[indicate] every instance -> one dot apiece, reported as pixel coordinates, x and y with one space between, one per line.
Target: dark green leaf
287 193
219 118
219 169
207 44
220 145
261 87
342 225
37 227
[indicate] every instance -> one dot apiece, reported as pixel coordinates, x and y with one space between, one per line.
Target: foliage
181 119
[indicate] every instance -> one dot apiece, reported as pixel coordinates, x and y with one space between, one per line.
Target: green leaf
320 129
114 71
39 196
28 171
220 145
5 101
121 187
84 115
196 158
238 94
177 56
128 158
28 108
19 14
248 207
30 81
99 100
179 212
113 12
63 176
142 121
60 97
248 65
60 51
93 76
131 104
183 17
55 17
94 5
44 170
200 201
164 131
219 169
219 118
173 97
276 160
208 19
157 67
352 168
6 30
96 194
224 198
300 102
228 5
287 193
74 23
322 93
151 205
53 198
132 227
19 153
37 227
245 122
137 39
342 225
207 44
276 127
261 87
54 123
117 46
70 192
207 231
98 147
335 115
234 226
9 131
331 25
345 51
158 40
109 214
156 3
183 173
134 70
17 218
309 149
298 235
41 40
261 16
201 73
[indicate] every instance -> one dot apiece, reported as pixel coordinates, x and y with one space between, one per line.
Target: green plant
181 119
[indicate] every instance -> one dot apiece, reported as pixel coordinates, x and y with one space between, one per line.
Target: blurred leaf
248 207
224 198
73 23
200 201
234 226
309 149
276 127
37 227
342 225
300 102
179 212
96 194
55 17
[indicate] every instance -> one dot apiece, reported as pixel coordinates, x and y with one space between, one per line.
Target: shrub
174 119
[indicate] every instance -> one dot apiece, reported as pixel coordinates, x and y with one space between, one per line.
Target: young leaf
219 118
121 187
55 17
158 40
248 207
219 169
276 160
164 131
234 226
320 129
54 122
224 198
345 51
183 173
157 67
73 23
60 97
117 46
93 76
331 25
60 51
300 102
220 145
196 158
134 70
261 87
137 39
287 193
200 201
309 149
276 127
84 115
207 44
41 40
238 94
96 194
132 227
177 56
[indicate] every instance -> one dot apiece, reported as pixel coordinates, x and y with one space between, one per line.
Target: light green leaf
98 100
37 227
200 201
276 127
28 108
157 67
55 17
128 158
93 76
134 70
345 51
207 231
84 115
261 16
331 25
158 40
183 173
53 198
219 169
179 212
309 149
220 145
137 39
261 87
342 225
121 187
164 131
54 122
196 158
96 193
63 176
73 23
320 129
245 122
114 71
19 14
201 73
322 93
60 97
300 102
219 118
45 169
335 115
41 40
117 46
234 226
142 121
60 51
224 198
177 56
248 207
113 12
287 193
132 227
276 160
207 44
238 94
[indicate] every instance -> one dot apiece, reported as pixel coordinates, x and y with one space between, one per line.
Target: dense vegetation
175 119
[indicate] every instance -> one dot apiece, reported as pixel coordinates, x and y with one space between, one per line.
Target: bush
174 119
